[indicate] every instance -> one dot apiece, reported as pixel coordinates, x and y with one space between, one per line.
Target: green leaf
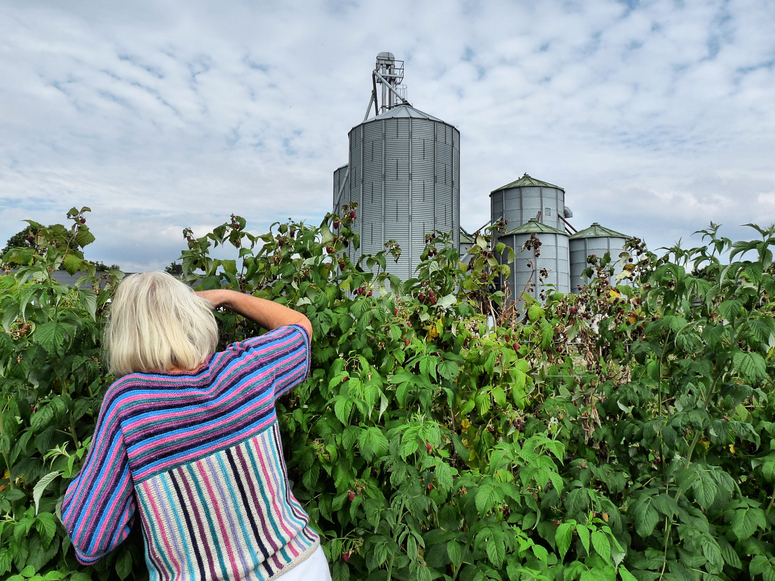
46 526
758 565
41 485
10 314
342 408
444 474
750 365
729 309
455 553
52 336
89 302
705 489
485 498
583 533
373 443
646 518
496 550
563 538
124 564
712 552
72 263
625 574
746 520
601 544
42 418
448 369
730 555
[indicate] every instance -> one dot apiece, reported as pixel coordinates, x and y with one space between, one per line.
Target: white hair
157 323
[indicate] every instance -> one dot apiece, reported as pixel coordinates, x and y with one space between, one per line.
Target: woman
189 439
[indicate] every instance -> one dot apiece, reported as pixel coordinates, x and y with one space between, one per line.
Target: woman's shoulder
286 337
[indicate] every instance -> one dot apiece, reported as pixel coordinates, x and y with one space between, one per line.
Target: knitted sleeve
99 504
286 351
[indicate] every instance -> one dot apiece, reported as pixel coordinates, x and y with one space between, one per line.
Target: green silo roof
527 181
598 231
534 225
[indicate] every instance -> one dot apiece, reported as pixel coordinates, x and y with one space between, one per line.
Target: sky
655 117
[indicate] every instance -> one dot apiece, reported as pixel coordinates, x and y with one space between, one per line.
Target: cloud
654 116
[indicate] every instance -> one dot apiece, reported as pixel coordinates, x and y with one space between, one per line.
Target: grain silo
530 259
595 240
403 171
528 198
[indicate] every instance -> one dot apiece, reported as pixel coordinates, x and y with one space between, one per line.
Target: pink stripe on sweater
197 454
267 477
161 441
204 478
160 524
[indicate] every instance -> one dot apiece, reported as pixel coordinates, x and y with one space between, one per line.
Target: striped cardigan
198 456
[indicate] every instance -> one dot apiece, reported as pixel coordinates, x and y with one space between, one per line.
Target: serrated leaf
46 526
712 552
448 369
750 365
485 498
705 489
496 550
625 574
563 538
89 302
41 485
455 553
601 544
758 565
583 533
746 520
730 555
342 409
444 475
42 418
52 336
650 518
373 443
124 564
729 309
72 263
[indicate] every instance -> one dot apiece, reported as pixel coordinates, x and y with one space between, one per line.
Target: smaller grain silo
595 240
528 198
537 247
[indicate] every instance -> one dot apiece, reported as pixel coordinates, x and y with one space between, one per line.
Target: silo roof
527 181
465 237
404 111
598 231
534 226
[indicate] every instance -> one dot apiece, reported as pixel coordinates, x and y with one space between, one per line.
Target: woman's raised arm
268 314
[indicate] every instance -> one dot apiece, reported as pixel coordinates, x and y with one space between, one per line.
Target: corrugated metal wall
581 248
519 205
405 176
554 257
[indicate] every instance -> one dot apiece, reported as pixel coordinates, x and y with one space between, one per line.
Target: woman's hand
217 297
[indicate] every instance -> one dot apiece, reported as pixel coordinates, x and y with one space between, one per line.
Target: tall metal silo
595 240
552 255
403 171
528 198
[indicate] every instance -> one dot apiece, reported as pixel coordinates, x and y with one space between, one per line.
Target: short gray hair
158 323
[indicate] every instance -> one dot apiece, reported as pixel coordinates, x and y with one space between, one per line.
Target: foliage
622 432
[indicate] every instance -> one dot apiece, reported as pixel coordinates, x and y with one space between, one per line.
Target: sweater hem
297 561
